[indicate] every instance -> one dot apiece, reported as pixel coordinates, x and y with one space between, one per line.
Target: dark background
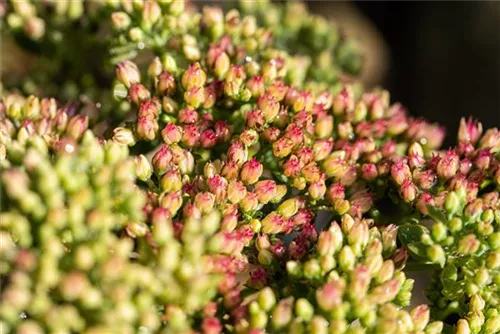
444 57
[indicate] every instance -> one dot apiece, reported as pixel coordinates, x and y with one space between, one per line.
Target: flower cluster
245 183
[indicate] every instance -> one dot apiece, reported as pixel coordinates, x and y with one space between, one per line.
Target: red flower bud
208 139
292 167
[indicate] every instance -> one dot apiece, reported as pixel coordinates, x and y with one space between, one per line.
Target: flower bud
269 106
166 84
77 125
218 186
317 190
329 296
162 160
194 77
123 136
251 171
143 168
128 73
171 181
469 131
146 128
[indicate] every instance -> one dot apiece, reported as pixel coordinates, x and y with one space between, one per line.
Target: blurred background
441 59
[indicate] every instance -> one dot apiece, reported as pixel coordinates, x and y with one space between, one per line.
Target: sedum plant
230 175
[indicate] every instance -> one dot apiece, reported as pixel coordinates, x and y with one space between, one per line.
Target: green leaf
418 251
436 214
120 92
410 233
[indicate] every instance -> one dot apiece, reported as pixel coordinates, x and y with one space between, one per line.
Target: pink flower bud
77 125
256 86
369 171
138 93
250 202
483 159
447 167
222 131
191 135
251 171
388 149
204 202
335 191
274 223
386 292
151 12
255 119
278 88
249 137
162 160
330 295
237 153
491 139
208 139
400 172
171 134
265 190
218 186
211 325
469 130
292 167
236 191
397 125
166 84
230 170
360 282
363 200
425 179
194 77
408 191
128 73
188 116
